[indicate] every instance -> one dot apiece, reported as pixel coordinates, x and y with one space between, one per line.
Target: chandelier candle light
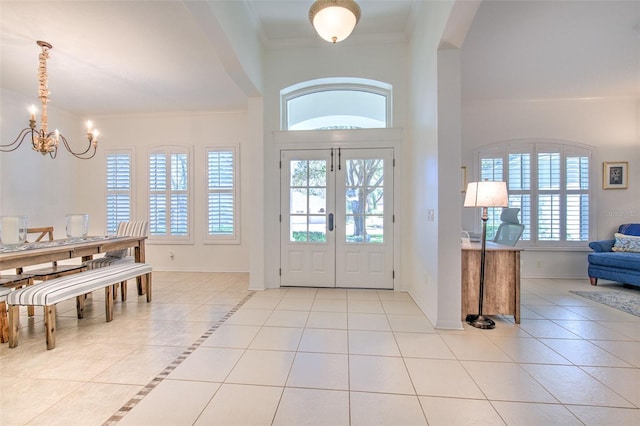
44 141
334 20
484 194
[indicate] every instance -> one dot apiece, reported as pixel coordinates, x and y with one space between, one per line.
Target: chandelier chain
43 88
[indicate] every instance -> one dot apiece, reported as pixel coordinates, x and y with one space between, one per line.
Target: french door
336 218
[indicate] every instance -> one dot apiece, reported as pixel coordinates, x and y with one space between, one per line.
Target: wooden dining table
30 254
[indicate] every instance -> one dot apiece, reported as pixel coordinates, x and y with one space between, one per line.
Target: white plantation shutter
577 187
169 193
549 196
548 217
550 183
492 169
157 194
179 196
221 194
519 187
118 191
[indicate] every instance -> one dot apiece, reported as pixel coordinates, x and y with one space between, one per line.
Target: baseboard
163 269
449 325
541 277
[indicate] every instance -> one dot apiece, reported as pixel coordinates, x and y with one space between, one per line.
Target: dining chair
125 229
510 230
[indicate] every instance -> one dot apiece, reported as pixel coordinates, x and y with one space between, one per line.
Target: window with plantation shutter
170 194
118 191
549 183
222 194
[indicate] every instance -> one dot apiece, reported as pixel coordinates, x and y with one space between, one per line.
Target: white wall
431 262
256 228
42 188
381 61
609 125
199 130
47 189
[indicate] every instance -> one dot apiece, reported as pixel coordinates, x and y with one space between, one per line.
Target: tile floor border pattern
113 420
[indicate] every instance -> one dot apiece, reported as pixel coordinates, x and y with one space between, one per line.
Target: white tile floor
326 357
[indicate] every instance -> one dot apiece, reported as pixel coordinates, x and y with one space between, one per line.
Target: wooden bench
49 293
7 284
4 325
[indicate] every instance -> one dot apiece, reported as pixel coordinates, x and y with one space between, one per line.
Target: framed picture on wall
615 175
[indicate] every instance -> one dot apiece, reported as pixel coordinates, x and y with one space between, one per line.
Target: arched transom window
336 103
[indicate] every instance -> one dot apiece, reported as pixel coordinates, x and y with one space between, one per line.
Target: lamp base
480 321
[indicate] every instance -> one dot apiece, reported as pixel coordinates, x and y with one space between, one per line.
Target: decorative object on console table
484 194
13 230
615 175
465 241
77 225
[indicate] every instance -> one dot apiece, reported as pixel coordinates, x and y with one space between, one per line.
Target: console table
501 280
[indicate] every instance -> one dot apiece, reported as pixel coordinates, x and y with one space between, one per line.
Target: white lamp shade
334 20
486 194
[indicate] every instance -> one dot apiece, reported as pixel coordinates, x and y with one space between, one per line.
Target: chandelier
334 20
42 140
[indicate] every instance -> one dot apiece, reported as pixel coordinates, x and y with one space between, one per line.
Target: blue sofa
618 266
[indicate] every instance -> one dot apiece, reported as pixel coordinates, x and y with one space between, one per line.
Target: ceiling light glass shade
334 20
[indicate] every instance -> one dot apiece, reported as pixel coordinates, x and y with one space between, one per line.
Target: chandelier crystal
334 20
42 140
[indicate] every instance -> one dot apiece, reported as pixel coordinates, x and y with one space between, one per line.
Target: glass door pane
364 197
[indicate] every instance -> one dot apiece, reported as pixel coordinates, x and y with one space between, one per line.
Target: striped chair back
133 229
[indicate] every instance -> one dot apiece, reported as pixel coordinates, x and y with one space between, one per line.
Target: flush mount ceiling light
334 20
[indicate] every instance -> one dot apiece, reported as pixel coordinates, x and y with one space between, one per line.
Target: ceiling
552 49
143 56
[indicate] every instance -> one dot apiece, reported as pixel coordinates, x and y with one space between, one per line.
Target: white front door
337 218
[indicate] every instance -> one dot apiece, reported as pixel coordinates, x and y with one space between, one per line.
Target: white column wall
430 262
256 191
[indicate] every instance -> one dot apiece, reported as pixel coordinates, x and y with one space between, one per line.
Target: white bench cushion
63 288
102 262
3 293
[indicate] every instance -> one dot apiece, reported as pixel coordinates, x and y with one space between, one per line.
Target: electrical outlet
431 215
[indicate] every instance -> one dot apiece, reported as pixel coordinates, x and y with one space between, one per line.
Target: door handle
330 221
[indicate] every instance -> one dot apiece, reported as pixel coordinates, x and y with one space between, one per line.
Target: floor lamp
484 194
